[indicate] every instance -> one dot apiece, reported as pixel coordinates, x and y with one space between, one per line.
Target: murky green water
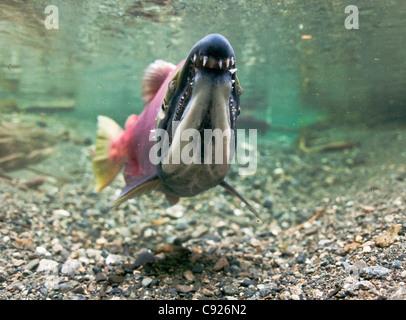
296 59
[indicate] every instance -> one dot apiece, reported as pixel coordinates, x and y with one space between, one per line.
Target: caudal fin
105 169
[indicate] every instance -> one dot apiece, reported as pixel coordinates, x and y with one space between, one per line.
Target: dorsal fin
154 76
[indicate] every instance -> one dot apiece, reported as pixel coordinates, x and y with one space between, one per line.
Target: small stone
15 285
146 282
399 294
247 283
230 290
94 254
67 286
389 236
182 225
101 276
71 267
207 292
188 274
144 258
396 264
47 265
60 213
221 264
285 295
115 259
56 248
350 247
115 279
364 285
368 209
42 251
197 268
358 238
184 288
32 264
175 211
234 269
374 272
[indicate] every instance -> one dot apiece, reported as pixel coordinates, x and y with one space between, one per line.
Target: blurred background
297 62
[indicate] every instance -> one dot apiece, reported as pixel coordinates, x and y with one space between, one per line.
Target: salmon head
202 99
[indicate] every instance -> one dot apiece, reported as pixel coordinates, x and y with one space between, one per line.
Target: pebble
42 251
230 290
101 276
184 288
374 272
207 292
32 264
146 282
221 264
247 283
115 259
197 268
389 236
399 294
114 278
67 286
188 274
175 211
144 258
47 265
71 267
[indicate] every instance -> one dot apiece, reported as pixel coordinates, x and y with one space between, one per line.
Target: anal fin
230 189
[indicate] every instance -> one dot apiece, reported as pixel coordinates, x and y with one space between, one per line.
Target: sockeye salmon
201 92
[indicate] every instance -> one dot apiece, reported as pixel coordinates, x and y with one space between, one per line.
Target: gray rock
374 272
71 267
115 259
146 282
399 294
184 288
47 265
230 290
364 285
101 276
32 264
15 285
67 286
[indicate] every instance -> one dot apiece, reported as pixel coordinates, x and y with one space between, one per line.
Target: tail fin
105 169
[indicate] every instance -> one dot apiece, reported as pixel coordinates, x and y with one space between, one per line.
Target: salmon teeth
213 63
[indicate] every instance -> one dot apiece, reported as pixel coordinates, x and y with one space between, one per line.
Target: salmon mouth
205 92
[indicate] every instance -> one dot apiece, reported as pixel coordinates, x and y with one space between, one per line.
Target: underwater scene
202 150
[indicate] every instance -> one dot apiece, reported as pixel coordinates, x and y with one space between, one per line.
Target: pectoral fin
140 188
230 189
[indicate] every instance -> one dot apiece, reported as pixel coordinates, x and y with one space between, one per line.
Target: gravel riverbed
333 227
